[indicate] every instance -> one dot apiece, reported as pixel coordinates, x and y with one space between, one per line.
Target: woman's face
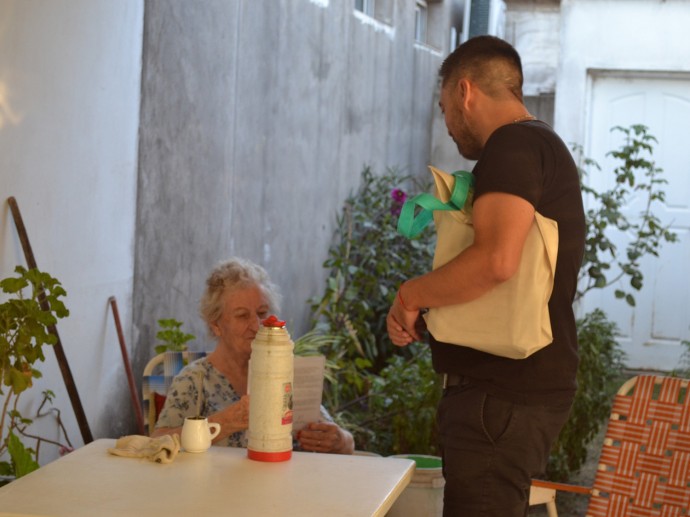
243 310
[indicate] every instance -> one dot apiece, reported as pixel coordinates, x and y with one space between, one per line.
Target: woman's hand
326 437
232 419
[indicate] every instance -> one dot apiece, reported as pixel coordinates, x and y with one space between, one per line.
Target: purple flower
399 198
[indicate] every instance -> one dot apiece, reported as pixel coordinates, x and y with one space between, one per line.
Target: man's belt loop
451 379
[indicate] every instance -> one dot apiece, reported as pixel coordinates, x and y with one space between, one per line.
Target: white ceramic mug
197 433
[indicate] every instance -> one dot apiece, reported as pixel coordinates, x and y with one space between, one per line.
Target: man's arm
501 224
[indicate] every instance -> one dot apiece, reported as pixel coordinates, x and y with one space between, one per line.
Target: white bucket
423 497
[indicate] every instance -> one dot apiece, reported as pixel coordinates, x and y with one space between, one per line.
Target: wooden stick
59 351
138 412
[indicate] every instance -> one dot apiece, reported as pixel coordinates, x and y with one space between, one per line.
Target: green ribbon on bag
411 225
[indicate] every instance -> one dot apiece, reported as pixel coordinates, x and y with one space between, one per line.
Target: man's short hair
490 62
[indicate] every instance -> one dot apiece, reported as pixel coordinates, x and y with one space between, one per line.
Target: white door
651 331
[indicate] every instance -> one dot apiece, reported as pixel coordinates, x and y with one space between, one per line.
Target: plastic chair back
157 377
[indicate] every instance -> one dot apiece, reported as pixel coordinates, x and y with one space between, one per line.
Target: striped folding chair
644 467
157 377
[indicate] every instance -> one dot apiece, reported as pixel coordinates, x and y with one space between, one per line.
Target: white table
222 481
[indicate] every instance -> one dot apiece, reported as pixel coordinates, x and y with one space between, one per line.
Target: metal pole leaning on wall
59 351
138 412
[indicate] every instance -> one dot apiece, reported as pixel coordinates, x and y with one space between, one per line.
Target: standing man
499 417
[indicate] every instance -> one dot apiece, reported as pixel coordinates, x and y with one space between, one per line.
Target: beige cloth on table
162 449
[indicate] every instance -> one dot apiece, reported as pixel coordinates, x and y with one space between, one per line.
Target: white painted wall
634 35
69 109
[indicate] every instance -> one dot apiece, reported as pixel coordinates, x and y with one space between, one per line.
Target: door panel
650 332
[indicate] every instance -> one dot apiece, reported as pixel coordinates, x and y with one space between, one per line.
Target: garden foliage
383 393
635 174
599 374
24 331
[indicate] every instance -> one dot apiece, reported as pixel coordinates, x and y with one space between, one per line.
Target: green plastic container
423 497
425 462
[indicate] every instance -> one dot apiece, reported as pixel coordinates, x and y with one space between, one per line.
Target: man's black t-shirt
530 160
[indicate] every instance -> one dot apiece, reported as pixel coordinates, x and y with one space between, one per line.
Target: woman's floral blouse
200 390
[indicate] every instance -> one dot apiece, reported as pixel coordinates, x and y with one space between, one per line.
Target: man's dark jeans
491 450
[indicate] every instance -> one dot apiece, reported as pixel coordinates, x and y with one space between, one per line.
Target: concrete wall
69 103
257 119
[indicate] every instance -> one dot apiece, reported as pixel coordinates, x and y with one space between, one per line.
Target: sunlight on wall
7 115
377 25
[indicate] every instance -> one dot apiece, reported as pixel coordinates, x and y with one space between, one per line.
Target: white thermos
270 393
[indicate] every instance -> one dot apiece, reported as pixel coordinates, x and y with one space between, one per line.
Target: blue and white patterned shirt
200 390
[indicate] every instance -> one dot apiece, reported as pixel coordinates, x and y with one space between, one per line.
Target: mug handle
214 428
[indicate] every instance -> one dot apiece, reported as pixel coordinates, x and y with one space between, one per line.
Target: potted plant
31 306
171 336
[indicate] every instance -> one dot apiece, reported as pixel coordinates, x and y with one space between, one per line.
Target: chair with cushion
157 377
644 466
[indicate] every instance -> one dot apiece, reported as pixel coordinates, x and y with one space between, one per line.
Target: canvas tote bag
512 319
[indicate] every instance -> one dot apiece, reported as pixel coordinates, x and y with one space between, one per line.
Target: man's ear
464 92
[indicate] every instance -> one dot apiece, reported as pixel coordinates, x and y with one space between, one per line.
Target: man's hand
403 322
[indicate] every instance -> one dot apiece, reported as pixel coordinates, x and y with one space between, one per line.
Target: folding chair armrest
564 487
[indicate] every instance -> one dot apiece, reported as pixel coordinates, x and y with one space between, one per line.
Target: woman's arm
232 419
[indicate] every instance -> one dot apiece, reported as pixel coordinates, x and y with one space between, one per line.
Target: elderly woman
238 296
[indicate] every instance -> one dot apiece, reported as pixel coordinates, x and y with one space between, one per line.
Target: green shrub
402 405
367 262
598 376
635 174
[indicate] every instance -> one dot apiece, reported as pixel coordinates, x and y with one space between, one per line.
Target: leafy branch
647 233
26 325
